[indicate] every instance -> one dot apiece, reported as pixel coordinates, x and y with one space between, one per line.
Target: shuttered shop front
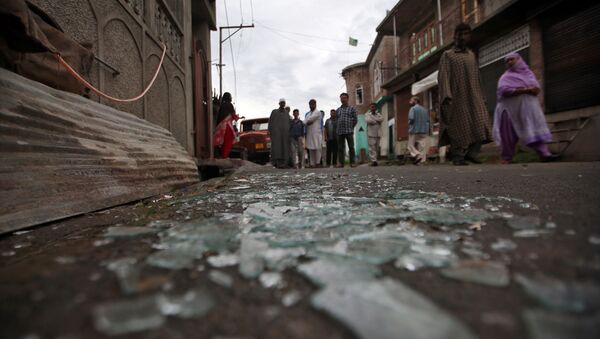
571 56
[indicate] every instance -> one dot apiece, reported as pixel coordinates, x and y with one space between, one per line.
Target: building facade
559 40
364 81
128 37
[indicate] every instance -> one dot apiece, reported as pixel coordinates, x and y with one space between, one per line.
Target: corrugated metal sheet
63 155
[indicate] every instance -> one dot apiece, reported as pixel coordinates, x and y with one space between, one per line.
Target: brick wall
358 75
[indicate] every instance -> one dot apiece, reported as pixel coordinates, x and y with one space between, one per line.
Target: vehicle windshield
255 126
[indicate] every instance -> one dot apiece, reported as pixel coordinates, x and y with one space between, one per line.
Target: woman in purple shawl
518 114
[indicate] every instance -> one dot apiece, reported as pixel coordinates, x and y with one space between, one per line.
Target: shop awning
425 83
383 100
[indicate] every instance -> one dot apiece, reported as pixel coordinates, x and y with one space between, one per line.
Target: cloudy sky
296 50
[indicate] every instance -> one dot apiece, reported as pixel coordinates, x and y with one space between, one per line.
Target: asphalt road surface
57 280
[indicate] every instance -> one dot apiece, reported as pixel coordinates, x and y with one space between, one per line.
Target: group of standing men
288 135
464 120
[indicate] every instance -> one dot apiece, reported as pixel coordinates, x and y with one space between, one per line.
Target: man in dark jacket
331 139
297 140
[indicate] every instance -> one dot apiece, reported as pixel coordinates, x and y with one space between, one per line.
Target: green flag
352 41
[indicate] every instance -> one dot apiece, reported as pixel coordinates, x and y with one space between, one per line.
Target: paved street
485 251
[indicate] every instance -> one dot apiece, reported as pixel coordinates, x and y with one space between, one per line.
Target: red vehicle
253 142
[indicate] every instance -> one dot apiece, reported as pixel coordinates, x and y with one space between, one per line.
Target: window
176 7
377 78
359 95
470 11
424 42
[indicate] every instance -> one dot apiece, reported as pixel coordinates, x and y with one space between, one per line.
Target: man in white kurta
314 133
374 120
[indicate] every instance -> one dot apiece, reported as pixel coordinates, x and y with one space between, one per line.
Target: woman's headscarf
518 75
225 108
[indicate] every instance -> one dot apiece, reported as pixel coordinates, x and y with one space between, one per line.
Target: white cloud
297 50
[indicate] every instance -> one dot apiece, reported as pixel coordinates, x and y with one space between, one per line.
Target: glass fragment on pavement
561 295
128 231
488 273
220 278
542 324
382 309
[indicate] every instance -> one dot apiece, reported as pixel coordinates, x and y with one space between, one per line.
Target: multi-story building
560 40
364 80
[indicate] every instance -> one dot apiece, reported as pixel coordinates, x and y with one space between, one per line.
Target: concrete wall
489 7
383 58
128 35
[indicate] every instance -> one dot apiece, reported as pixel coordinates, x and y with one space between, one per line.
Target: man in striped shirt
346 120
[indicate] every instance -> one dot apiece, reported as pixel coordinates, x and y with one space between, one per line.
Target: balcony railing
424 43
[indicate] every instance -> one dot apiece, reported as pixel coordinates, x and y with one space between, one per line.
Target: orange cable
104 95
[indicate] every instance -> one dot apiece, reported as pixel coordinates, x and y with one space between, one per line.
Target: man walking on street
331 139
279 131
314 134
465 122
297 140
347 119
418 131
374 120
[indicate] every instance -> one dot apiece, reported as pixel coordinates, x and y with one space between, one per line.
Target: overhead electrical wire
231 50
307 45
303 34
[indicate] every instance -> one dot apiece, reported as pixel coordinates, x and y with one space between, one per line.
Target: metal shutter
572 59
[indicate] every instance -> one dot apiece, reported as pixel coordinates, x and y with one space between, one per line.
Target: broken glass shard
503 245
376 251
547 325
560 295
481 272
251 260
381 309
193 248
192 304
122 317
450 216
223 260
291 298
271 279
220 278
423 256
169 259
103 242
127 272
128 231
524 223
278 259
474 253
21 245
328 270
416 261
162 224
533 233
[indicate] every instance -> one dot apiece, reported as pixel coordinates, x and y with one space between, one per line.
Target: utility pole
221 41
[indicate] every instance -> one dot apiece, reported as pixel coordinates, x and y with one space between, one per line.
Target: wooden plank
63 155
